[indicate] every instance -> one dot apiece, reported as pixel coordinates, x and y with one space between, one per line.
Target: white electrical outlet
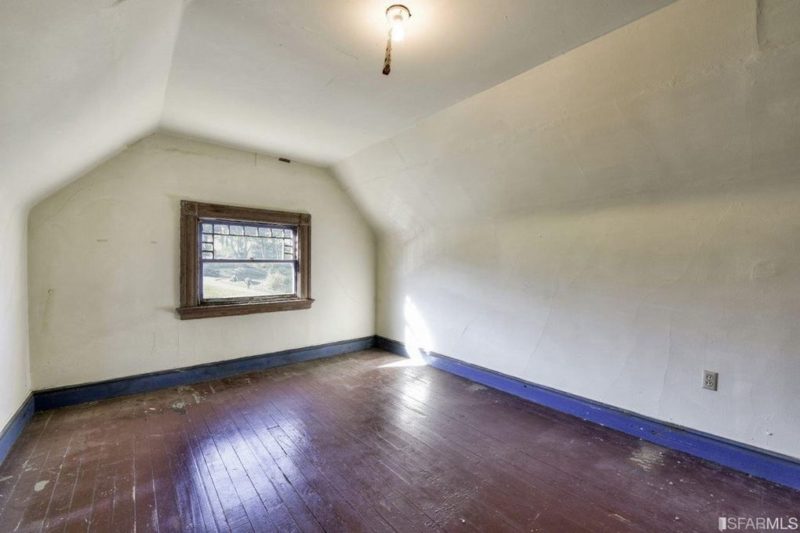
710 379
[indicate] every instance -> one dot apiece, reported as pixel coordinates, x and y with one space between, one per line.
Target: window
239 260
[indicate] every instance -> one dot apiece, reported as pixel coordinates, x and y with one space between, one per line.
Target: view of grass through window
247 260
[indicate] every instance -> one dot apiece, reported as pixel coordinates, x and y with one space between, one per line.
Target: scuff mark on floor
620 518
648 457
284 376
179 406
40 485
196 396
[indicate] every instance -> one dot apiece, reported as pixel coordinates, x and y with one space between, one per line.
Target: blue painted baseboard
101 390
753 461
15 426
75 394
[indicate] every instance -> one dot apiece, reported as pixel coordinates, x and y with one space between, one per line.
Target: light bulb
397 15
398 29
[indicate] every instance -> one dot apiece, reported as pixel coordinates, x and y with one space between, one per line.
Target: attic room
444 265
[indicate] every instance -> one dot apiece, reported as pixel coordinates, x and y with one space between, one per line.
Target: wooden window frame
192 216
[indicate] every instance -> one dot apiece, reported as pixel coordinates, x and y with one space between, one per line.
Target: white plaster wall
625 304
14 378
103 260
614 221
78 79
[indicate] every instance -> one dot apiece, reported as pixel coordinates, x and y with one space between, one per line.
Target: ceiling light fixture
396 15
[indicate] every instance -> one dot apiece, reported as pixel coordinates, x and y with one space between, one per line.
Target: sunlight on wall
417 337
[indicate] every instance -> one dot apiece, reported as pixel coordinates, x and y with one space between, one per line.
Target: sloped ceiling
81 78
78 80
303 79
692 98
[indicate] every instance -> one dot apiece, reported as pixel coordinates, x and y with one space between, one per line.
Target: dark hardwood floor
355 443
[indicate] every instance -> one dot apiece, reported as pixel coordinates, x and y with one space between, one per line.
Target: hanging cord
387 60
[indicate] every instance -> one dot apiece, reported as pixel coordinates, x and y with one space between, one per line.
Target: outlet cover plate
710 379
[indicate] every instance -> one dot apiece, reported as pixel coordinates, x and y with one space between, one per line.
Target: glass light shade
397 15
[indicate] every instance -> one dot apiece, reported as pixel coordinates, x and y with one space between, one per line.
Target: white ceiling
81 78
78 80
303 78
694 99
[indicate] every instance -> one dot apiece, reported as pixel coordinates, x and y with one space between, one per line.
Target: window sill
214 310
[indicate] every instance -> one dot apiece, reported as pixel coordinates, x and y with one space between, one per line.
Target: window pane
208 228
221 228
251 231
235 247
247 280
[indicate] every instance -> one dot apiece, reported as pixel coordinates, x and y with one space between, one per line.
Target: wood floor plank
123 512
354 517
145 510
64 485
323 509
233 507
270 469
448 475
366 486
275 515
370 473
80 509
355 443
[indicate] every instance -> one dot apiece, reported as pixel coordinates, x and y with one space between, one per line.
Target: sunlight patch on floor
416 337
